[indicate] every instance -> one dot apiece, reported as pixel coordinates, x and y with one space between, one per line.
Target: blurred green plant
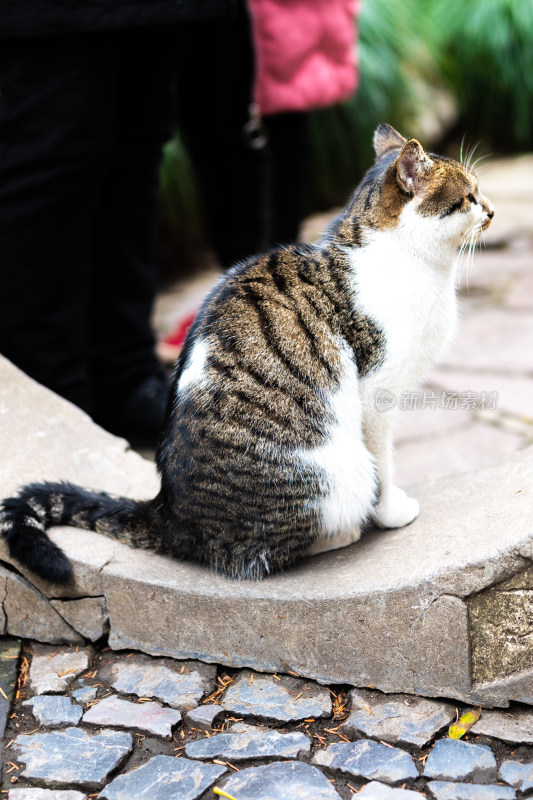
485 52
181 228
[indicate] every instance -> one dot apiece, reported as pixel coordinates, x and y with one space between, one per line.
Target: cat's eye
471 199
455 207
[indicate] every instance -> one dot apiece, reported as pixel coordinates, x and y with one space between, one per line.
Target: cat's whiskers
465 258
466 161
475 166
461 159
480 170
470 262
460 261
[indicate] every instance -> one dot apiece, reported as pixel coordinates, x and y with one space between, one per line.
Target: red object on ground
177 337
169 347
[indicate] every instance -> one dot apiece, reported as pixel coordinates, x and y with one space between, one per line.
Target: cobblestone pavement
478 405
88 722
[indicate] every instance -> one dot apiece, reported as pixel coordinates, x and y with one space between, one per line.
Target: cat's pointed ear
386 138
412 167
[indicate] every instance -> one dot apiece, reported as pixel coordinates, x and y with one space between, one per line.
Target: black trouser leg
124 245
55 120
82 121
253 199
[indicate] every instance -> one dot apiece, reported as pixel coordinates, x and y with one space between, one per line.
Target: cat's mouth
486 223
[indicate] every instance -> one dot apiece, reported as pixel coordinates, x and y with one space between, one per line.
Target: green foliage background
485 54
472 57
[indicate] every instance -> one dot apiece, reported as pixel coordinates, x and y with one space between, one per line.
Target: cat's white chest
411 301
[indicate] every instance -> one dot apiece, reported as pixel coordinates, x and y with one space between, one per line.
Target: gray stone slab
497 270
368 759
515 392
249 744
3 592
204 718
407 593
9 656
178 685
63 443
150 717
517 774
519 687
501 632
164 778
496 288
332 617
281 699
45 794
397 719
514 726
52 710
455 760
520 295
455 451
54 668
493 339
50 421
417 424
71 757
296 780
88 553
380 791
87 615
85 694
443 790
29 614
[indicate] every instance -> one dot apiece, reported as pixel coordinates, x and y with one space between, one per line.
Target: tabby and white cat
273 446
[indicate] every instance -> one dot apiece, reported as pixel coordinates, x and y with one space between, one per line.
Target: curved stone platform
441 608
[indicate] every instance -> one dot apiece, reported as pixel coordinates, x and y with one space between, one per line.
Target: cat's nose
488 208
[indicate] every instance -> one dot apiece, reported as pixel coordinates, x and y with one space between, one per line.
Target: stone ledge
398 610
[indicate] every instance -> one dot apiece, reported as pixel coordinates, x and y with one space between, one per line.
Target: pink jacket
304 53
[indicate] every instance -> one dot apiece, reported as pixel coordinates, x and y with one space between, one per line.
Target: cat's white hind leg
335 542
394 508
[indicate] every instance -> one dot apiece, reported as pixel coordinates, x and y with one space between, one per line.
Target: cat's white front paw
396 509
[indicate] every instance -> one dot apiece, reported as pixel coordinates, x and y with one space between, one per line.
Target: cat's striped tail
25 518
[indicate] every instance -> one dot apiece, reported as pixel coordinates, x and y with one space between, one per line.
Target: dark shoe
139 417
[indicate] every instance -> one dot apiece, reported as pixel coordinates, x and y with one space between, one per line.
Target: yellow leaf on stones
222 793
464 724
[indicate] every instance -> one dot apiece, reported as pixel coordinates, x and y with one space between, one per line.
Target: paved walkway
478 405
93 723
